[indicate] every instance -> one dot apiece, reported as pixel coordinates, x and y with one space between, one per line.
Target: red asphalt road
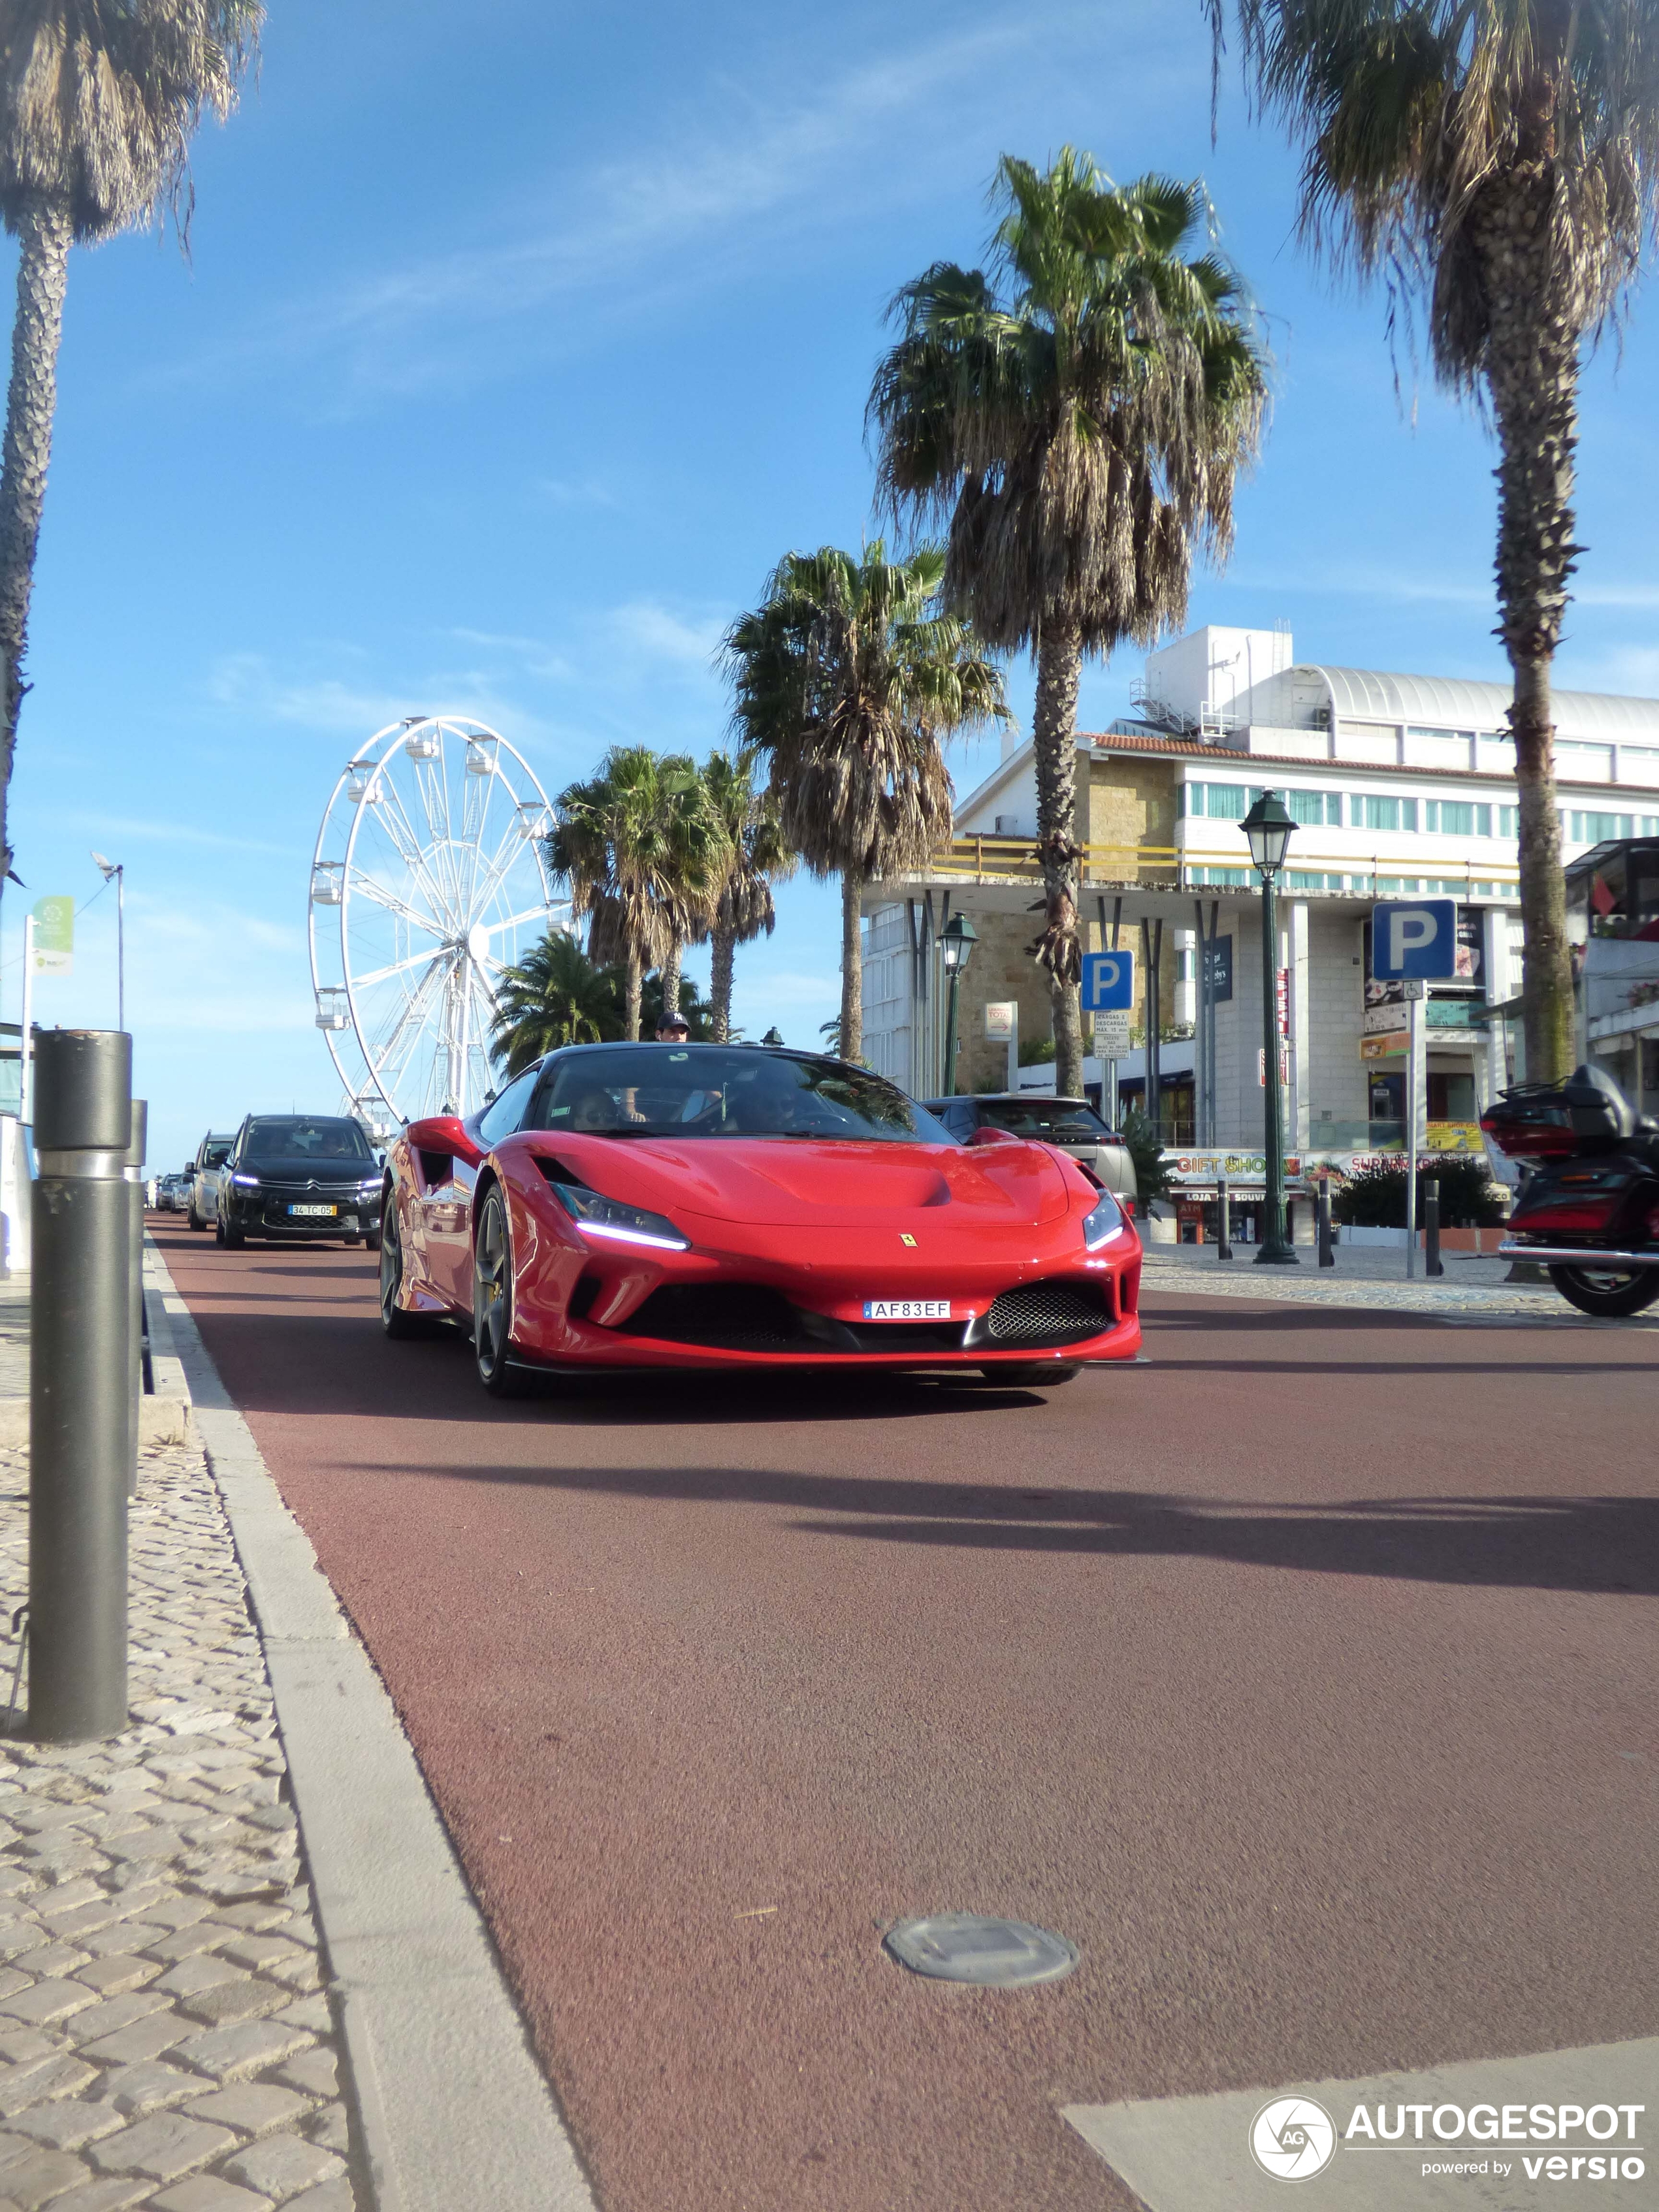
1303 1678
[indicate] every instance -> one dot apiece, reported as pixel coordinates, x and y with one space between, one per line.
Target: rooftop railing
982 857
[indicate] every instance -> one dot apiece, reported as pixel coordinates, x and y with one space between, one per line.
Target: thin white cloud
558 492
115 826
659 634
669 215
247 682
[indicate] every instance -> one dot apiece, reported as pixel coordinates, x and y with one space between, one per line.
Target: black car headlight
1103 1223
245 1181
614 1223
368 1192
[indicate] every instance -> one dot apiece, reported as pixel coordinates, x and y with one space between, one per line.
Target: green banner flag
54 936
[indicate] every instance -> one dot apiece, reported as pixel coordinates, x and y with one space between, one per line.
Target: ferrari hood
797 1183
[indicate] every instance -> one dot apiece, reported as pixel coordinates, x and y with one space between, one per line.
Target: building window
1509 821
1418 729
1452 817
1220 802
1381 813
1317 807
1596 829
1225 878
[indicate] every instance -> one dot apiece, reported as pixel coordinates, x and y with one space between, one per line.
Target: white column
1300 1121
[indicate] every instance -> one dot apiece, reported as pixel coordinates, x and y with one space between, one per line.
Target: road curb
456 2114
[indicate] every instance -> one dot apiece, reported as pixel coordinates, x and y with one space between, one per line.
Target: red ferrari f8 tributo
731 1206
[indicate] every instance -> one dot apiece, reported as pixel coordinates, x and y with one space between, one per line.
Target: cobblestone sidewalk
165 2039
1200 1274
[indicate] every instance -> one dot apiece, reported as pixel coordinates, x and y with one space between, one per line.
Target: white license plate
313 1212
907 1309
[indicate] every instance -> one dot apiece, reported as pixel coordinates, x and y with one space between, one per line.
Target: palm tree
758 856
1076 418
643 852
553 996
848 677
1496 158
99 101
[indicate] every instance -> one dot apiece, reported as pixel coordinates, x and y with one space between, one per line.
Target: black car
301 1176
1070 1123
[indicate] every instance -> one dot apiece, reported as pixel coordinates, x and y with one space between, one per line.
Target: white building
1401 784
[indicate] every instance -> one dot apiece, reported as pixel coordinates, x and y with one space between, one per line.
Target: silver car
202 1205
1070 1124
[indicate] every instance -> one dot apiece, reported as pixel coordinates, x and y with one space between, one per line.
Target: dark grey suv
293 1176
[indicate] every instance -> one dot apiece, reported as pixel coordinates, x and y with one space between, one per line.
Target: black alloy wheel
1032 1377
193 1217
1609 1293
492 1301
396 1320
231 1238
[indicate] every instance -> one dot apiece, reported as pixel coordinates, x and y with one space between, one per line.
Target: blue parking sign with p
1109 983
1414 940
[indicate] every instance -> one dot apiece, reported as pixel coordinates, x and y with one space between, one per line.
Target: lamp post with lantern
956 941
1268 827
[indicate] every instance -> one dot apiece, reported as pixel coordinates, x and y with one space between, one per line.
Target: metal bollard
79 1417
135 1176
1224 1249
1432 1265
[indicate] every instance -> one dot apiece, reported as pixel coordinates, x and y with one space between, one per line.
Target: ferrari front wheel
492 1301
395 1322
1030 1376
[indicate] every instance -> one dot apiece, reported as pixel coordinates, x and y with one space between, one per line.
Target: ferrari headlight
616 1224
1103 1223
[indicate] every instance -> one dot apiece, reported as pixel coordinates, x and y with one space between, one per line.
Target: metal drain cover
968 1947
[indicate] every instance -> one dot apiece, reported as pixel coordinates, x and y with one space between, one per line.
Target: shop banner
1454 1137
54 936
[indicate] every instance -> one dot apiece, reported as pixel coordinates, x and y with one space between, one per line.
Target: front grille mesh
1038 1314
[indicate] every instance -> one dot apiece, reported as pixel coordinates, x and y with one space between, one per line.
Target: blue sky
508 362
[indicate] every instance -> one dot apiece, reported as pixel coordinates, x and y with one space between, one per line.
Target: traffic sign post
1109 983
1414 942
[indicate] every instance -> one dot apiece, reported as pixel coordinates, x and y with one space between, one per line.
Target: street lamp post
115 872
1268 827
956 941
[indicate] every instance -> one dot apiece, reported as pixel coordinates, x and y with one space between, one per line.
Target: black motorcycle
1589 1209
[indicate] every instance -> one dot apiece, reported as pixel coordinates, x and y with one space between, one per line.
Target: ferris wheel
429 877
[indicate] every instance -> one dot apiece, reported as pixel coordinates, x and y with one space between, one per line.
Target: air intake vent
1037 1315
726 1316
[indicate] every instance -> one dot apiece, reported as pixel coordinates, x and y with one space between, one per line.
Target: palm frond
100 99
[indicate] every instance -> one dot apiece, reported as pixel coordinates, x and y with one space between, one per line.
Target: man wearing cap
673 1028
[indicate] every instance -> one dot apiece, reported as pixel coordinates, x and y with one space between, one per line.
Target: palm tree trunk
634 981
1053 744
31 402
1532 370
724 943
852 967
670 976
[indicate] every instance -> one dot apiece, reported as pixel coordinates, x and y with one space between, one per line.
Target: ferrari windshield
1047 1118
721 1090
